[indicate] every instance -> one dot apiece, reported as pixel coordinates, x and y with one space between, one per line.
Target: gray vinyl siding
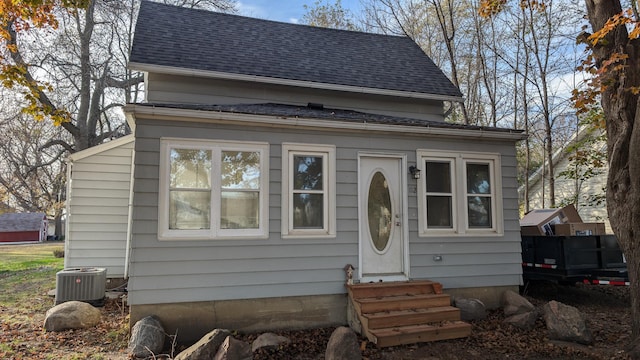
98 207
190 90
205 270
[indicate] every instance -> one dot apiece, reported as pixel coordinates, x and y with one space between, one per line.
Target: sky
285 10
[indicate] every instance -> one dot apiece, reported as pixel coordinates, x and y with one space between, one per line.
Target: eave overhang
134 111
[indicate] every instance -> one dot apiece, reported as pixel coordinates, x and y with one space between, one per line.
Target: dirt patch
606 308
23 337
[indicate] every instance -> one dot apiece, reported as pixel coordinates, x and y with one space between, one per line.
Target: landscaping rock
514 304
525 321
471 309
268 341
147 337
566 323
206 348
343 345
232 349
71 315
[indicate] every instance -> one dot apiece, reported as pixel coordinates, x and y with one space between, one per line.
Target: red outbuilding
21 227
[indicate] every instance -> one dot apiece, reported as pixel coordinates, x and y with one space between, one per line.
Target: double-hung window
308 190
213 189
460 193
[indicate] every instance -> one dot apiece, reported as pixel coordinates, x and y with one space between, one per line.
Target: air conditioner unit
81 284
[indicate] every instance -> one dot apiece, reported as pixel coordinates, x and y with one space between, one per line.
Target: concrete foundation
490 296
191 321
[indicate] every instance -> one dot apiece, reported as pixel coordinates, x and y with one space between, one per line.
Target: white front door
382 220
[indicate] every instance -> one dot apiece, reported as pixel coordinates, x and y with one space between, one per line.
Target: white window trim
216 146
328 152
459 190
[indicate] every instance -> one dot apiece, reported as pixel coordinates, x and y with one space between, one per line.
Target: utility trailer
595 259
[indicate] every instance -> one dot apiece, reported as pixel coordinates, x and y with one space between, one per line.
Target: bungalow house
268 156
23 227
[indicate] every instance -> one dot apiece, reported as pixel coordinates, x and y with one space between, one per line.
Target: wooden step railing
408 312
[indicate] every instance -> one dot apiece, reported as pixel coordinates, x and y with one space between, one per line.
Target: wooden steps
408 312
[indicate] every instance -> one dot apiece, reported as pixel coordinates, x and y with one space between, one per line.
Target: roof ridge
171 37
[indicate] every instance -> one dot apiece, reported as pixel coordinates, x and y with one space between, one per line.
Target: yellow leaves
625 18
635 32
41 113
20 16
489 8
539 5
13 76
614 63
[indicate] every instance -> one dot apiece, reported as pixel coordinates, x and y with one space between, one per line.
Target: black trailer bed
589 259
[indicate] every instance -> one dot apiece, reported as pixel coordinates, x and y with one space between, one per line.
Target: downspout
127 255
67 205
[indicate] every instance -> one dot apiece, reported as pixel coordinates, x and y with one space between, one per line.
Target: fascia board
100 148
174 114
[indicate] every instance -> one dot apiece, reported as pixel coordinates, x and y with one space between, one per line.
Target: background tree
325 14
613 62
64 63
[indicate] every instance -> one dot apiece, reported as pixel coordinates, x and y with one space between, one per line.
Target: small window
479 196
213 189
189 189
308 196
458 193
439 193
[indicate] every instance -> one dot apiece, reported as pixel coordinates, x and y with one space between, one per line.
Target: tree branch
123 84
62 143
40 94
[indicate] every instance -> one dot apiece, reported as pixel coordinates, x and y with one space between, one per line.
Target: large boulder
269 341
566 323
147 337
471 309
71 315
343 345
233 349
206 348
514 304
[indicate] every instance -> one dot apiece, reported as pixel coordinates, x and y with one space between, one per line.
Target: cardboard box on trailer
579 229
540 221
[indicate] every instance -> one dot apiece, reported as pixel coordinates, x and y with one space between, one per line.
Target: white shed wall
98 207
567 188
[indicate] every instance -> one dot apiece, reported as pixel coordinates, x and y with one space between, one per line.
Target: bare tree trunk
622 112
447 25
541 38
549 152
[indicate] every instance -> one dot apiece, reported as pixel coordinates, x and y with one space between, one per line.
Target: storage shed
98 193
21 227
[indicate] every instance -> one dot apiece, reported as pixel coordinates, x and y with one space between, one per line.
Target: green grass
15 258
27 271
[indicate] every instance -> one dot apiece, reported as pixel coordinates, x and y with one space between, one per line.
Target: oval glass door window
379 211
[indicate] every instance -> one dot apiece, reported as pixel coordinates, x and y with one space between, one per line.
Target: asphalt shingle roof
11 222
196 39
